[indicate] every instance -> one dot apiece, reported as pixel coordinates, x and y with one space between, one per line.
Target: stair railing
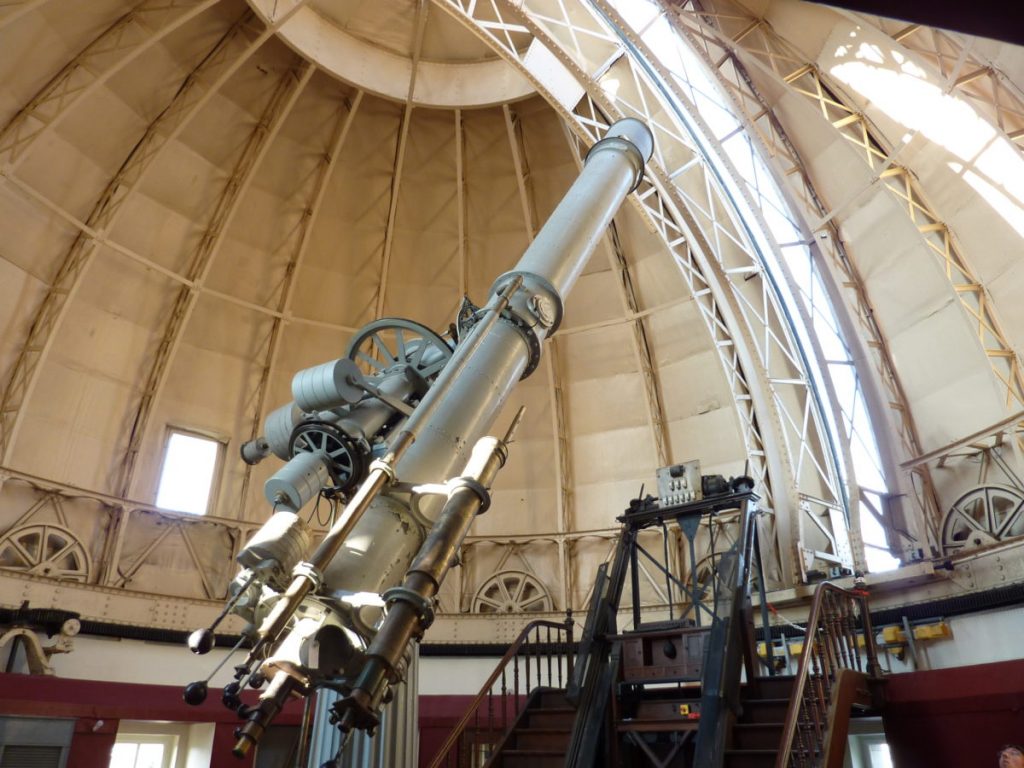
541 656
839 637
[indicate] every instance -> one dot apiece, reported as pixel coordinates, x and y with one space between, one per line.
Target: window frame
173 735
218 467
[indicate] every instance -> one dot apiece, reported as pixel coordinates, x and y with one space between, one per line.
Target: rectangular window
144 751
187 477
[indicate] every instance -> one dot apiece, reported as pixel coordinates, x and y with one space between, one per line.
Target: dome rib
396 175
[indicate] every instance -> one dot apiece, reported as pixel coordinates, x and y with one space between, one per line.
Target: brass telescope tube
409 606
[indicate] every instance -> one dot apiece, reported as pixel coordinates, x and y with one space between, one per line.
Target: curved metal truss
579 61
913 505
735 26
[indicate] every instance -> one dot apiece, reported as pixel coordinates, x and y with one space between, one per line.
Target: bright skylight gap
688 74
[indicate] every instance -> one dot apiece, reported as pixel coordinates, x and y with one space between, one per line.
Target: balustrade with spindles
839 637
541 657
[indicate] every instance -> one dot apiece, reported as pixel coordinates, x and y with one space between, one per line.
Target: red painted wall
91 701
438 715
955 717
952 717
92 742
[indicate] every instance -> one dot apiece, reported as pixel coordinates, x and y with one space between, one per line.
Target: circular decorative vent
983 515
45 549
512 592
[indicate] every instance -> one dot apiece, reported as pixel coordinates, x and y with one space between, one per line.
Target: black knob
200 641
257 680
195 693
230 696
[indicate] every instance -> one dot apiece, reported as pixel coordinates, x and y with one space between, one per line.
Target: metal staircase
668 694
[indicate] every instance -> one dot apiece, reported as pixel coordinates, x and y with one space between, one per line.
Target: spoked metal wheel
327 440
512 592
393 341
983 515
45 549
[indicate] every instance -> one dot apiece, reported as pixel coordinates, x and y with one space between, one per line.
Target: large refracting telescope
396 430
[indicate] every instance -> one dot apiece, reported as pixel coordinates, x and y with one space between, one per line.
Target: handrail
547 656
830 645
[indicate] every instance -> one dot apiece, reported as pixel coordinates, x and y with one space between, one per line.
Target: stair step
551 699
764 710
541 738
532 758
757 735
777 687
556 717
750 758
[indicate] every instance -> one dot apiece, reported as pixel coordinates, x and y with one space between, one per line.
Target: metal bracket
398 405
476 487
424 608
541 305
310 573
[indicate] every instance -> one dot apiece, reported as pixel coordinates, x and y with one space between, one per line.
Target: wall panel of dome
71 428
114 320
496 233
958 391
35 239
547 156
1008 59
45 42
711 437
690 387
423 272
20 293
151 224
676 334
808 26
612 402
150 82
597 353
624 453
341 273
597 296
598 504
58 170
521 511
